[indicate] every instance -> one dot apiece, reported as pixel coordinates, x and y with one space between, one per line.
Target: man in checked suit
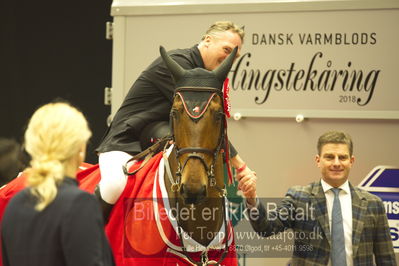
365 237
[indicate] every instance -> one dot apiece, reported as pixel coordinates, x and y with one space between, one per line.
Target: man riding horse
162 216
149 100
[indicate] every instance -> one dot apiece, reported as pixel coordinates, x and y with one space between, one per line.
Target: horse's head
198 126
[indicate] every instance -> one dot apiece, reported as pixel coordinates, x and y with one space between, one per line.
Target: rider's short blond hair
222 26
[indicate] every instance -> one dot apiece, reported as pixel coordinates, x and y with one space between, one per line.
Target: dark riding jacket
148 100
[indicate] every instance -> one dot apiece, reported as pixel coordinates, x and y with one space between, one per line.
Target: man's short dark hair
336 137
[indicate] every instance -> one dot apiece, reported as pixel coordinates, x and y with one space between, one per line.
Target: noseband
198 153
196 113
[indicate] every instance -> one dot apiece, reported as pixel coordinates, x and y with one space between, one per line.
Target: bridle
198 152
209 80
193 152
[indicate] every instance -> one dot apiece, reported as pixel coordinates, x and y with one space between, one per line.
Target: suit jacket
370 234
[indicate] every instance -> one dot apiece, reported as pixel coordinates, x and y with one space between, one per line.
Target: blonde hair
56 132
222 26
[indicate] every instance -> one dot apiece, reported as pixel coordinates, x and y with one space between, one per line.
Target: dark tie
338 255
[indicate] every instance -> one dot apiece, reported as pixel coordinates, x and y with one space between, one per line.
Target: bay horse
174 204
173 208
194 171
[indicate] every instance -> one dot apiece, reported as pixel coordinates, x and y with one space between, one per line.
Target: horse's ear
224 68
175 68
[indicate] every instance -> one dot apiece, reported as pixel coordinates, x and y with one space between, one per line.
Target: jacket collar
319 201
359 208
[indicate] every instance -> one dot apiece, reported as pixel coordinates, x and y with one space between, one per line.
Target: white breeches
113 179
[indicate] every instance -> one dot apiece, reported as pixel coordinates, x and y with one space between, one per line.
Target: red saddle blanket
136 235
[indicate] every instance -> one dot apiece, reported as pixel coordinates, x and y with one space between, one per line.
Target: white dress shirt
346 208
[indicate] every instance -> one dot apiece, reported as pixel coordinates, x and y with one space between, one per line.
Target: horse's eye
173 113
219 116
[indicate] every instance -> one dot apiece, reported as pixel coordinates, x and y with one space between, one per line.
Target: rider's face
217 48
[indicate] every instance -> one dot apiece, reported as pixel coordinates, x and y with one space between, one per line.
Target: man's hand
247 184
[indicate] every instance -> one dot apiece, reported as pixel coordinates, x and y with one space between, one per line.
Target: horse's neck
202 221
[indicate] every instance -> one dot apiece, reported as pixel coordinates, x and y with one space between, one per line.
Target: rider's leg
113 179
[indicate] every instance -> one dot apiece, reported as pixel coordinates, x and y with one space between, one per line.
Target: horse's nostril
192 197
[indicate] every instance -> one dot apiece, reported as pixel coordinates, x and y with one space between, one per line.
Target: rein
146 155
198 152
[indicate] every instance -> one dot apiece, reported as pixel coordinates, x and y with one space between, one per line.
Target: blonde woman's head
56 139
